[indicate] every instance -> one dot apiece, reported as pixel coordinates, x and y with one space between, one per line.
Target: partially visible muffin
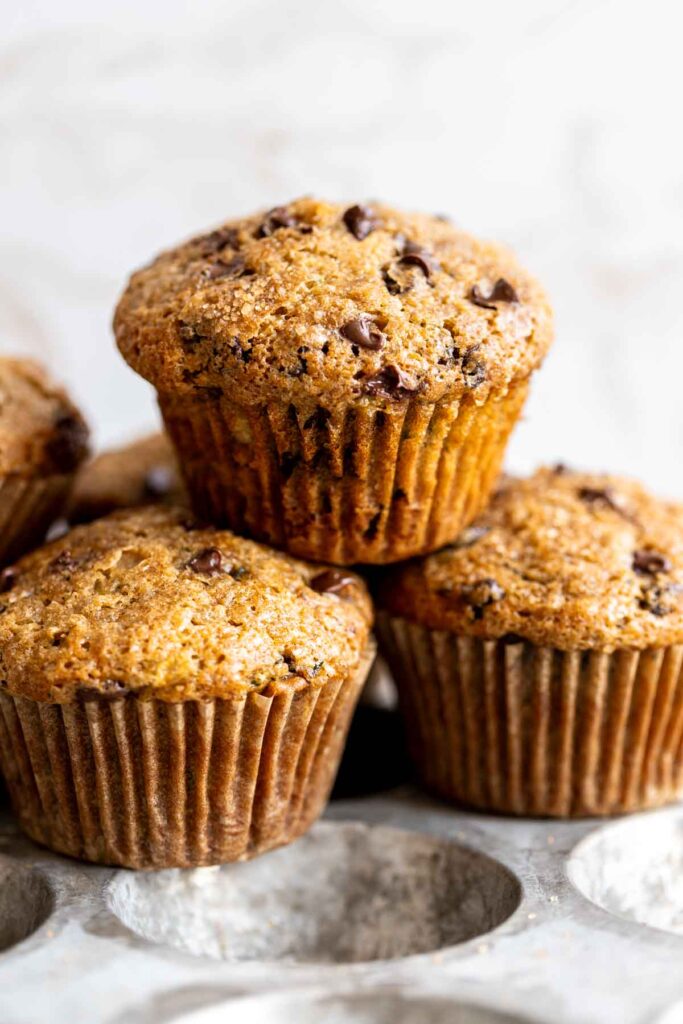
184 693
539 657
144 472
338 381
43 440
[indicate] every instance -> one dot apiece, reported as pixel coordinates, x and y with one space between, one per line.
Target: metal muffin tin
395 909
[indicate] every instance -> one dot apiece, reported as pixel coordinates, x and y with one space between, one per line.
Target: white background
554 126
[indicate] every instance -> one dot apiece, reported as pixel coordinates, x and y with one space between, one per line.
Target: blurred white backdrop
554 126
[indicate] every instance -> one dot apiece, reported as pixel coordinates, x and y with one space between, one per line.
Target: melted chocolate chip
468 537
69 444
363 331
658 600
209 562
473 369
8 577
481 594
279 217
64 562
415 255
649 563
331 581
390 382
158 483
392 284
234 268
502 291
360 221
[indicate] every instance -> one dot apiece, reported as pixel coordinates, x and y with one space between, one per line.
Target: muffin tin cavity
634 869
25 902
344 893
361 1008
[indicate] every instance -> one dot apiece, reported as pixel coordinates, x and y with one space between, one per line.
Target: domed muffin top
148 602
144 472
41 430
564 559
336 303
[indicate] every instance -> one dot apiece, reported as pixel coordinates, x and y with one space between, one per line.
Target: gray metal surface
394 910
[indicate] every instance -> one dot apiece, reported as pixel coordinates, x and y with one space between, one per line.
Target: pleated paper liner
370 485
530 730
151 784
27 508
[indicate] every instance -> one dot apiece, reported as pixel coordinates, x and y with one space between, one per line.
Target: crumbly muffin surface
142 473
146 601
334 302
563 559
41 431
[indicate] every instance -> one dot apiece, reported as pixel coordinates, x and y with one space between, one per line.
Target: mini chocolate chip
158 482
481 594
417 256
649 563
360 221
473 369
502 291
331 581
469 536
236 267
363 331
277 218
208 562
390 382
69 444
64 561
658 600
8 577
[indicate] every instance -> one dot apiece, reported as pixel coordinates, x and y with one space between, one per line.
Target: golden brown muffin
144 472
539 657
340 381
43 440
183 693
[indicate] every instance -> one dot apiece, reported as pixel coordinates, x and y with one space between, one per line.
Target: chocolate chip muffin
142 473
174 695
338 381
539 658
43 440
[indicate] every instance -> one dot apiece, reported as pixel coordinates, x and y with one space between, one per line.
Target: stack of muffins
338 383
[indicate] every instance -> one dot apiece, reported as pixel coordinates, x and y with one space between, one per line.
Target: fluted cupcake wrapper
367 485
528 730
27 508
150 784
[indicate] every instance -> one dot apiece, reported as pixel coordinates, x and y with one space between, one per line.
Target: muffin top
563 559
142 473
41 431
147 601
334 303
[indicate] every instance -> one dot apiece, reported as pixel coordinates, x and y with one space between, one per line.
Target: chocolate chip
8 577
473 369
363 331
502 291
69 444
600 496
279 217
417 256
392 284
158 483
468 537
658 600
234 268
360 221
481 594
209 562
649 563
560 469
64 562
217 240
331 581
390 382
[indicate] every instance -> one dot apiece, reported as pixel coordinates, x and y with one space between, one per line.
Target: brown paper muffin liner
149 784
364 485
27 508
537 731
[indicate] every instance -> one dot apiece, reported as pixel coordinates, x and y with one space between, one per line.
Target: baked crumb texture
539 657
339 381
